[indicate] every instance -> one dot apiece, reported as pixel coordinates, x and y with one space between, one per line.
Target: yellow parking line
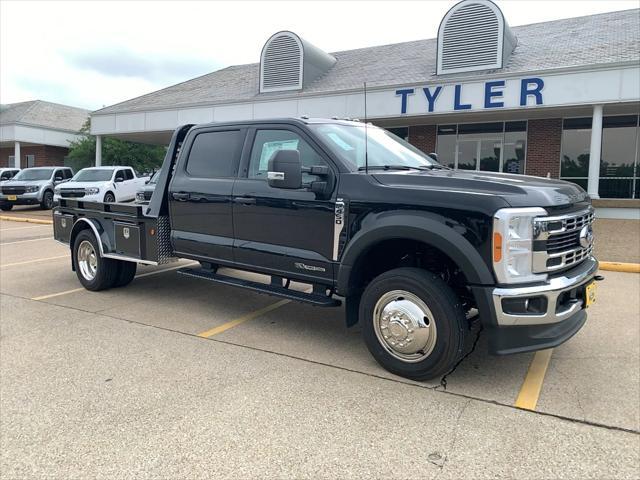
66 292
34 261
530 390
25 241
10 218
249 316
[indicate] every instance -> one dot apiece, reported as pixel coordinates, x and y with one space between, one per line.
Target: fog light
525 306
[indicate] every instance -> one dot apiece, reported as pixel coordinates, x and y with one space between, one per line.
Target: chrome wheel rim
87 260
405 326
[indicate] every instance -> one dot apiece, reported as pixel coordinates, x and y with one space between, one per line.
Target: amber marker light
497 247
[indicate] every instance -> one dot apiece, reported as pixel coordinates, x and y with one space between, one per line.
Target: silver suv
33 186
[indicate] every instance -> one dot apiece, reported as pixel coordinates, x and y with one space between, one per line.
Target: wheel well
394 253
109 192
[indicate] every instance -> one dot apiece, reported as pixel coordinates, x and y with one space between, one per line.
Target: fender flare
425 227
81 224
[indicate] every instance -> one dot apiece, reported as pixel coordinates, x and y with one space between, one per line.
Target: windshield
34 174
93 175
384 149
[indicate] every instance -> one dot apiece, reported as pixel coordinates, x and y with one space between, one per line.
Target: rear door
200 193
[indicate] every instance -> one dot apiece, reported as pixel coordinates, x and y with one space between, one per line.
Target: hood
24 183
516 190
83 184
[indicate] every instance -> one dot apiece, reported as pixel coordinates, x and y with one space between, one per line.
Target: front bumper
563 315
24 199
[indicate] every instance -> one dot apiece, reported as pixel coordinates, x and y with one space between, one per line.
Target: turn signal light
497 247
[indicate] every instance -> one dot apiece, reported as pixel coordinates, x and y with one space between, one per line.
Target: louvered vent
473 36
281 64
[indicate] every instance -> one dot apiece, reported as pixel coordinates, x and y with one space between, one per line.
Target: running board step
316 299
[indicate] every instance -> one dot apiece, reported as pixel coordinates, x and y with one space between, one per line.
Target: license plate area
12 198
590 294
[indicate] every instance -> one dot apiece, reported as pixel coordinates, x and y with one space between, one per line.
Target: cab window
267 142
128 174
215 154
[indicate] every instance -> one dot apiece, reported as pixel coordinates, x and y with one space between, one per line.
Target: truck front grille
13 190
563 241
72 192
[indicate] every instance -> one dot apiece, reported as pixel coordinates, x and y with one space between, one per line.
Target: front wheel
94 272
47 200
413 323
109 198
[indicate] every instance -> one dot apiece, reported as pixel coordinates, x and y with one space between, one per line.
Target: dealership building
38 133
558 99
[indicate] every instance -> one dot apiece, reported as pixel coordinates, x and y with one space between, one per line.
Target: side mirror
119 180
285 170
434 156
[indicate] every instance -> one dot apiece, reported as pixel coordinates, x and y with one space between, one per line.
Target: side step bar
316 299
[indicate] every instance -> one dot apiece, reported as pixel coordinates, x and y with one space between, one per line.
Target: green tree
143 158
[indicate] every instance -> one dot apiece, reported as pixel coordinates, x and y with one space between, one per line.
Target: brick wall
45 155
423 137
543 147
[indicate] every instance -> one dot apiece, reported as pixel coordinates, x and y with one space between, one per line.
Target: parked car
33 186
144 194
102 184
417 251
8 173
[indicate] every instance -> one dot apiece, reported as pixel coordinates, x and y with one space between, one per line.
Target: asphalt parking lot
175 377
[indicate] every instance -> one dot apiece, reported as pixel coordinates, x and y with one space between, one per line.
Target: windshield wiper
403 167
387 167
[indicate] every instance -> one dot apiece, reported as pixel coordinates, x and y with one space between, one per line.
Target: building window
402 132
31 160
619 172
492 147
12 161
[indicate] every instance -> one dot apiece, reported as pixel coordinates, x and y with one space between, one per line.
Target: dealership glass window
12 161
402 132
493 147
31 160
619 171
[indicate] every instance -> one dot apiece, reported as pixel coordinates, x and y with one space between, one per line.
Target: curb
26 220
620 267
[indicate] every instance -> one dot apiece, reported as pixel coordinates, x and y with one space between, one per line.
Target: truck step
316 299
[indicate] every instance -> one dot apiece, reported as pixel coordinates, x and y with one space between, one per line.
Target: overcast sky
92 54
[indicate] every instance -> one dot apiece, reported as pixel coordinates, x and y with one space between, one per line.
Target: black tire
106 269
6 207
109 198
47 200
126 273
447 346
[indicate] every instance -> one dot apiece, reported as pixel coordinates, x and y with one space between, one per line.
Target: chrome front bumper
577 277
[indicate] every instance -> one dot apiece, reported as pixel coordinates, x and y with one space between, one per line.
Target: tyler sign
493 94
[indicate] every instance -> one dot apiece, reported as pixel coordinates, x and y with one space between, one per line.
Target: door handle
245 200
180 196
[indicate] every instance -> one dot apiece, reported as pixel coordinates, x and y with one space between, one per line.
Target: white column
98 150
16 155
594 152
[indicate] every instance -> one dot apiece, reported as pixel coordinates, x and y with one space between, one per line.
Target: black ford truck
415 250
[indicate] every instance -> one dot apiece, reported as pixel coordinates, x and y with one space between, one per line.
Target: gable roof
39 113
601 39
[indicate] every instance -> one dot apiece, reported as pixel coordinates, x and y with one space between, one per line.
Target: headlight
91 190
140 196
513 244
31 188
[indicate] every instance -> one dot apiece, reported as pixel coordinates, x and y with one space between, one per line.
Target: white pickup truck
102 184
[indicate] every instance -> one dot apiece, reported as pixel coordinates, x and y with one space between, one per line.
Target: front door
200 194
283 232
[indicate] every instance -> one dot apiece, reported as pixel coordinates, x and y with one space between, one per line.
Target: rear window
215 154
129 174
